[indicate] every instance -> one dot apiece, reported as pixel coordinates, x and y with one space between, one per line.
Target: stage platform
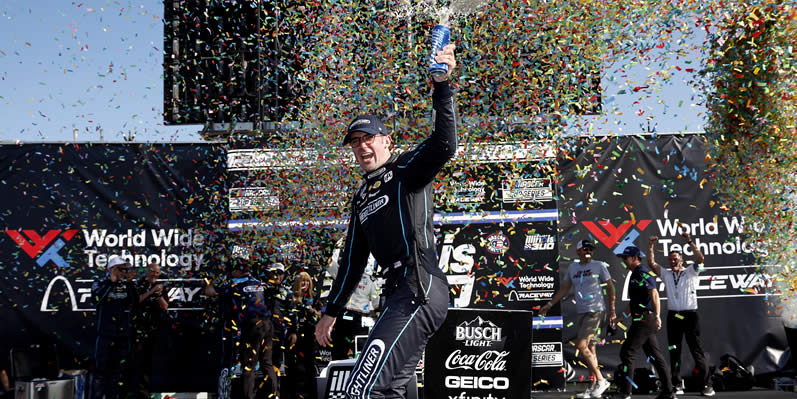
757 393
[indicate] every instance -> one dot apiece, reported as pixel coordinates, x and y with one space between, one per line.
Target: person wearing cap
391 218
680 284
114 298
588 277
644 309
252 316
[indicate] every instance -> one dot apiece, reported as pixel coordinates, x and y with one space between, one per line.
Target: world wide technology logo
619 237
45 248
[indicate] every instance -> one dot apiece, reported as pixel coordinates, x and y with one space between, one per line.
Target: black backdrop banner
619 191
68 207
497 244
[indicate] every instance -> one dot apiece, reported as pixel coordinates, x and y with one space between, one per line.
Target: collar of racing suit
381 170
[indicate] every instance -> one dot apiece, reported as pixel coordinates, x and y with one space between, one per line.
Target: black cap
367 123
630 251
585 243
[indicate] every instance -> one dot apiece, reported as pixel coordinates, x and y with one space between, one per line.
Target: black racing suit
114 302
392 218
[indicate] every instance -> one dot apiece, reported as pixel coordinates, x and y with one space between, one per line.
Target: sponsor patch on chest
372 207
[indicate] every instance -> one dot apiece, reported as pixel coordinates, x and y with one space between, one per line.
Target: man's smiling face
370 151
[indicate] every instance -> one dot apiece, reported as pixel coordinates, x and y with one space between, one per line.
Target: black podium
330 384
480 353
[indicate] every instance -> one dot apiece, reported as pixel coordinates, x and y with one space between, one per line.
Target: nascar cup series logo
497 243
478 332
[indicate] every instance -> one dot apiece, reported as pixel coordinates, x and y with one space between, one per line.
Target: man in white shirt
681 287
588 276
358 312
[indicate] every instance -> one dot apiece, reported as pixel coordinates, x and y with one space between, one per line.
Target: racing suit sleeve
351 268
424 162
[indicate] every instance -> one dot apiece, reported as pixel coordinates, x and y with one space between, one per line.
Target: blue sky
97 65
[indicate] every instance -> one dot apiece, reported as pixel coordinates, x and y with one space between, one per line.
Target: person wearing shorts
587 277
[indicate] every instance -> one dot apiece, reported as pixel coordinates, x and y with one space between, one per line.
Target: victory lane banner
480 353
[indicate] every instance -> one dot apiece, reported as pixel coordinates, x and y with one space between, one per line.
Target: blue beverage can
441 35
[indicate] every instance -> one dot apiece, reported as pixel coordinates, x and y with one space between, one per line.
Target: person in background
680 284
300 344
358 313
588 276
645 310
148 318
278 296
114 297
253 318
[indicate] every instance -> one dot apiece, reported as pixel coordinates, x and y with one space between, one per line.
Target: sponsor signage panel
495 186
480 353
547 354
512 264
526 190
620 191
70 207
252 199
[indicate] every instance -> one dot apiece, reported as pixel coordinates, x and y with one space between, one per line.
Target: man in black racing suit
392 218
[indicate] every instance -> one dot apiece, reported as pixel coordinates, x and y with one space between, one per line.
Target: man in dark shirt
392 218
278 299
253 318
644 309
147 319
114 299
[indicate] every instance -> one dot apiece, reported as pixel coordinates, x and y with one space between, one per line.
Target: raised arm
425 161
652 240
332 265
699 258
